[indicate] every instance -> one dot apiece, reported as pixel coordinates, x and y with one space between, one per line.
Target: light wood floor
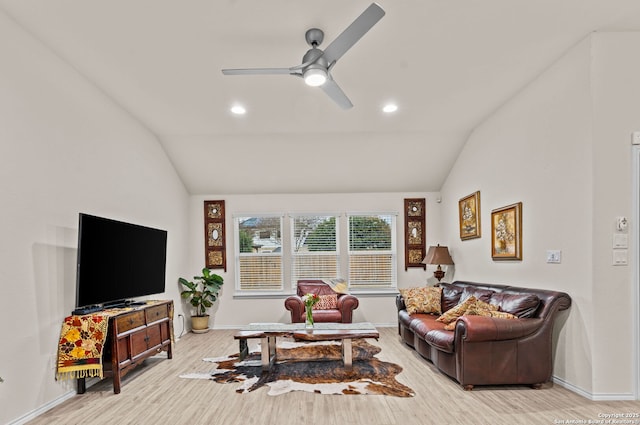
154 394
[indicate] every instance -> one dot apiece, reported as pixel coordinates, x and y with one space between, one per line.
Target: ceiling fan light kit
317 64
315 76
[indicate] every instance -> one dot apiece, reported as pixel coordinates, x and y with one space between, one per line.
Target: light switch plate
554 256
620 257
620 240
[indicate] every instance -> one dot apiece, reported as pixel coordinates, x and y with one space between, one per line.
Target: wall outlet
554 256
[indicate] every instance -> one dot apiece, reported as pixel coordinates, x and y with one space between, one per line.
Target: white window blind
314 247
372 251
259 253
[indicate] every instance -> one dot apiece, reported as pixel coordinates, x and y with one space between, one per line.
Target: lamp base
438 274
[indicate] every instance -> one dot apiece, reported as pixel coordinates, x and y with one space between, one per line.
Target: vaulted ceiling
448 64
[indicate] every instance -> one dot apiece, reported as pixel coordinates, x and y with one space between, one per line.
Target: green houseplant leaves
203 292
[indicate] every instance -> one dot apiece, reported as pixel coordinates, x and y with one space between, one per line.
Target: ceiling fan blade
259 71
334 91
353 33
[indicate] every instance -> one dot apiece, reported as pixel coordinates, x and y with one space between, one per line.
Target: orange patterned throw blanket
80 347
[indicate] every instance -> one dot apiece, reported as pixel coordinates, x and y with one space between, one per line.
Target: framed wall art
506 232
414 232
214 235
469 213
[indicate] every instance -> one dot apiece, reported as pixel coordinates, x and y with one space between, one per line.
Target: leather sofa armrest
480 328
295 305
347 301
346 304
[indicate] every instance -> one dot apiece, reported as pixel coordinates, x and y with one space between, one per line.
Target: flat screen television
118 261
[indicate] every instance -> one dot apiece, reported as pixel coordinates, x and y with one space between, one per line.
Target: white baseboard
591 396
40 410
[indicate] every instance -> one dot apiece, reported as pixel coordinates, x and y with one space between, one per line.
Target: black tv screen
118 261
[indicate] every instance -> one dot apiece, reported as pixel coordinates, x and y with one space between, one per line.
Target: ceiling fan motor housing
314 37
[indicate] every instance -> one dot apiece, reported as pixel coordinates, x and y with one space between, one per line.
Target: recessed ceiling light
238 110
390 107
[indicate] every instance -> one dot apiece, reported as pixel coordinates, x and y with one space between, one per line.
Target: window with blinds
259 252
314 247
372 251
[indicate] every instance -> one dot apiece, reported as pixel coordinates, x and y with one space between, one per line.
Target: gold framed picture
469 213
506 232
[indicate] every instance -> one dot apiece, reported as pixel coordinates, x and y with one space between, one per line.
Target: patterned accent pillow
457 311
503 315
478 309
422 300
451 326
327 302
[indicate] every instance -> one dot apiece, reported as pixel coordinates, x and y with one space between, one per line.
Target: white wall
616 91
64 148
562 147
380 310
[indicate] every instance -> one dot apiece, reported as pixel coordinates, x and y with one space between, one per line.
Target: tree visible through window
259 253
372 251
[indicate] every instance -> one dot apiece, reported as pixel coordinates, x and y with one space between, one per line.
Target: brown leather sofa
488 350
342 313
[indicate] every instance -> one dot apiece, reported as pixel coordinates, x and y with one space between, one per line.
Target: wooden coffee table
268 332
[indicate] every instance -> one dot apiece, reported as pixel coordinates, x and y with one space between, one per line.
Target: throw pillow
327 302
457 311
422 300
450 326
502 315
480 308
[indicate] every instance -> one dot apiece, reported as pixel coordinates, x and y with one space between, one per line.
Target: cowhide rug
313 367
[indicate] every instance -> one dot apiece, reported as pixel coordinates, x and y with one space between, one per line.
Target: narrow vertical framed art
469 213
506 232
414 233
215 235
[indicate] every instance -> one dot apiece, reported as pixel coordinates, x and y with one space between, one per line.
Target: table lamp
438 255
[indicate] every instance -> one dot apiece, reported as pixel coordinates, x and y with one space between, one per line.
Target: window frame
287 284
392 252
239 290
294 255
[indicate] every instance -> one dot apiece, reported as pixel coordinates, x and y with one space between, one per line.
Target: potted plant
201 294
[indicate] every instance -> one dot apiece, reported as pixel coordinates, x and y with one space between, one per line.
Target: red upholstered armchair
344 305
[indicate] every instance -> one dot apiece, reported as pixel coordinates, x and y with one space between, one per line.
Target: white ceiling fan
317 64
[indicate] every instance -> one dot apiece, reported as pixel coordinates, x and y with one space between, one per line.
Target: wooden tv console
134 336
